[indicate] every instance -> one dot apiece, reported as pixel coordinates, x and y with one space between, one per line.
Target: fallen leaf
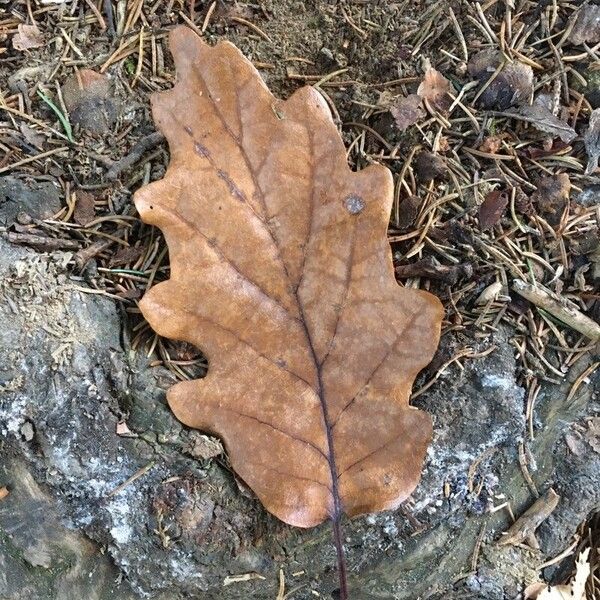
3 492
541 118
435 89
575 444
429 166
492 209
573 591
592 435
89 98
556 147
84 207
126 256
281 273
32 137
407 111
552 195
592 141
523 204
510 86
586 27
409 211
27 37
533 590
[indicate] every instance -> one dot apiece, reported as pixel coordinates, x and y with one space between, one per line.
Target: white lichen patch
12 416
119 509
492 380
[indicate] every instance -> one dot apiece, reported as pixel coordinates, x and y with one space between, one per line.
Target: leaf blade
282 274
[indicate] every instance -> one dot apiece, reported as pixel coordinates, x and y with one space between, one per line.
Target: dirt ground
496 181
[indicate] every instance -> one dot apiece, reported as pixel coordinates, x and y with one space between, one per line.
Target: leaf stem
338 540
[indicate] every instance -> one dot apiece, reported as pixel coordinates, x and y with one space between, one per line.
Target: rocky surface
36 199
97 510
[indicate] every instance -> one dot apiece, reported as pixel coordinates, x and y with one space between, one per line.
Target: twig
429 267
558 307
134 155
524 527
42 242
131 479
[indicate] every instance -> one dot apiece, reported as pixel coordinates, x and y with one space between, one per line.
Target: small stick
131 479
432 269
252 26
42 242
145 144
558 307
525 526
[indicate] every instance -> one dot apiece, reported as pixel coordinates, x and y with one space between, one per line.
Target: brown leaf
282 275
407 111
512 85
429 166
409 211
125 256
586 27
89 99
84 207
492 209
435 90
3 492
27 37
552 195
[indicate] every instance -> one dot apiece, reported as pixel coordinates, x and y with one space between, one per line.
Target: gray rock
174 526
37 199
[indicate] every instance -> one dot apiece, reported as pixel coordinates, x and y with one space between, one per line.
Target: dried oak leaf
436 91
282 275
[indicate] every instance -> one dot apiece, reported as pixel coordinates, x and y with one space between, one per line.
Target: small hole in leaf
354 204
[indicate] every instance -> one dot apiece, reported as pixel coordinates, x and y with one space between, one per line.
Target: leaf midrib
320 391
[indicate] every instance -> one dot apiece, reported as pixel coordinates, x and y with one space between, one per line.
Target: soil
108 495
